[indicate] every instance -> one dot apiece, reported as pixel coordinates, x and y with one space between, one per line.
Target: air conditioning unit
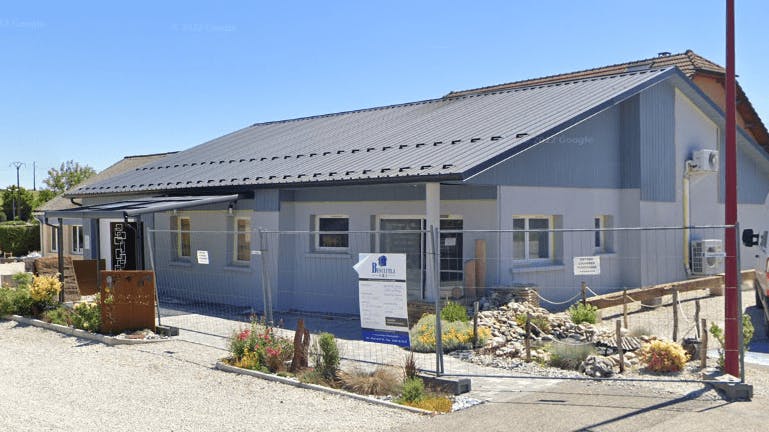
707 256
705 161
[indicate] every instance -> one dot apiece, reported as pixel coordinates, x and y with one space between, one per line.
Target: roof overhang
138 206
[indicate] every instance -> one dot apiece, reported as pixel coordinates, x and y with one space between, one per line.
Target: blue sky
95 81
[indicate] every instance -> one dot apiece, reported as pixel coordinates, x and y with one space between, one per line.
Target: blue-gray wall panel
658 156
753 179
630 143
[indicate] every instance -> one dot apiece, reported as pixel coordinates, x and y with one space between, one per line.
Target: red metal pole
731 314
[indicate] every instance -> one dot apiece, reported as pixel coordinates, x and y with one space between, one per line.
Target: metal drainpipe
60 253
686 217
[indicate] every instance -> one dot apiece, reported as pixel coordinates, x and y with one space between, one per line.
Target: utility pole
17 198
34 175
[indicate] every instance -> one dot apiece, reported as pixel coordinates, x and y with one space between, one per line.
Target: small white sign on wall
587 265
202 257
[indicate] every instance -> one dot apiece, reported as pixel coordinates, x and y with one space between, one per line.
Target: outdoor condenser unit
705 161
707 256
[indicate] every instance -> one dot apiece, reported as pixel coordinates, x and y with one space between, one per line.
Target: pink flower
243 335
272 352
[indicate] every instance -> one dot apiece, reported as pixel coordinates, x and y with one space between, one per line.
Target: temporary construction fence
210 283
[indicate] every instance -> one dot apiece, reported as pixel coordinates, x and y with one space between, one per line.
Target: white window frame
76 234
54 246
236 239
526 252
179 234
318 233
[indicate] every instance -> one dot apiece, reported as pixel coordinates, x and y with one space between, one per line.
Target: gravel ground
52 382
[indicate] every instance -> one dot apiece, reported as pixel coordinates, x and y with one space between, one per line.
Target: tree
69 175
24 200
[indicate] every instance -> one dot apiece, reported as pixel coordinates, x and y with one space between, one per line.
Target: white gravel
51 382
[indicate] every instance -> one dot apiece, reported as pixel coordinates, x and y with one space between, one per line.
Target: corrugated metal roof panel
442 137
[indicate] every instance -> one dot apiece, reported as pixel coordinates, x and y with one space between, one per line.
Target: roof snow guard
134 207
445 139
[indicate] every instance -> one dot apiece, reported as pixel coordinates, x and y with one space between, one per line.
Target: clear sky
94 81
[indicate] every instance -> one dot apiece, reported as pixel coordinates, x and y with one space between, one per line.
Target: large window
180 227
332 232
77 239
242 240
54 245
531 240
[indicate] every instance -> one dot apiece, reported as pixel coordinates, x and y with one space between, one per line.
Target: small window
77 239
332 232
54 239
602 236
532 240
242 240
183 245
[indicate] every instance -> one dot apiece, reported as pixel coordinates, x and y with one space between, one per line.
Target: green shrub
540 322
413 390
19 238
15 301
453 311
87 316
747 335
259 348
583 313
569 356
329 355
60 315
23 280
455 335
663 356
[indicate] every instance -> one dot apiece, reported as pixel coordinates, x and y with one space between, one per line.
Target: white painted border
71 331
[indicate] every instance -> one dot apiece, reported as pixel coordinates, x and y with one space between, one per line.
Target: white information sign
202 257
383 297
587 265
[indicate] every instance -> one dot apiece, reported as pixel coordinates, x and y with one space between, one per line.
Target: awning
137 206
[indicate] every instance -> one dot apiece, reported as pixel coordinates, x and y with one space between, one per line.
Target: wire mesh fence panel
643 280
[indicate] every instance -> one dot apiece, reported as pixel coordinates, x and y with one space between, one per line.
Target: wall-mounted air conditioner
705 161
707 256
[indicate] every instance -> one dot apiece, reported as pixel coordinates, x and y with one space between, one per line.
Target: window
602 238
77 239
180 227
529 244
242 240
332 232
54 239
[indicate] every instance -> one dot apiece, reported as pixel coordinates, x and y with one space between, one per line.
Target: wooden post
470 276
584 294
480 267
527 341
475 324
619 348
704 345
624 308
697 318
675 315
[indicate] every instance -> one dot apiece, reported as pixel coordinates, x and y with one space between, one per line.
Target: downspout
686 216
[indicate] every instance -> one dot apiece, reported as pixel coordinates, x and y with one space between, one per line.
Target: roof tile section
440 138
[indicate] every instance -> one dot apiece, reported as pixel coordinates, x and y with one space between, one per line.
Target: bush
413 390
23 280
541 322
87 316
569 356
583 313
329 356
433 403
410 366
453 311
45 290
60 315
19 238
747 335
15 301
258 348
663 356
455 335
381 381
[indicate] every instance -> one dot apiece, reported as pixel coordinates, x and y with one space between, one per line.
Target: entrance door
452 271
123 235
410 243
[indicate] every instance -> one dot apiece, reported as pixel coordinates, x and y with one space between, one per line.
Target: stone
597 366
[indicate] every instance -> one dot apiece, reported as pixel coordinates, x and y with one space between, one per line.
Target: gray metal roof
441 139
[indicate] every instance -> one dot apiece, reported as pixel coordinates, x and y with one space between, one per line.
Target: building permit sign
587 265
382 296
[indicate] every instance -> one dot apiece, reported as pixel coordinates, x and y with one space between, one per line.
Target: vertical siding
658 157
630 143
752 177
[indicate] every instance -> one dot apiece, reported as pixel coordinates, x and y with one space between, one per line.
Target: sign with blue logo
383 297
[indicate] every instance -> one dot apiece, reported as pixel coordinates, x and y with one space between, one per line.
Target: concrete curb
283 380
71 331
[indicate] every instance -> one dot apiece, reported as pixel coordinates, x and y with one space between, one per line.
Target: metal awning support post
60 253
148 236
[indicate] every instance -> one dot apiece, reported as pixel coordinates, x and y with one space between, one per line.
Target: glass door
410 243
